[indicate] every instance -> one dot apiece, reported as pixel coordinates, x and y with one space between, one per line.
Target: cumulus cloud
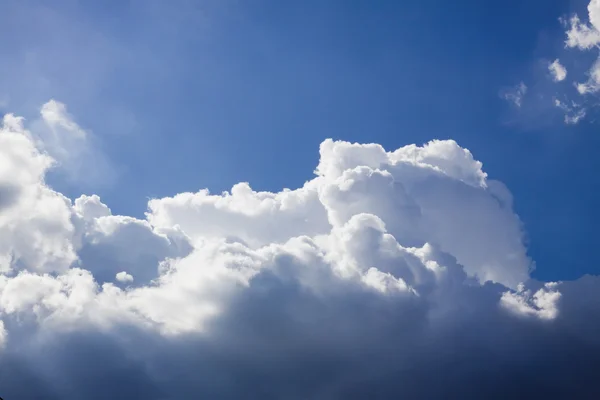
124 277
557 70
580 36
592 84
384 270
585 35
515 94
542 303
36 231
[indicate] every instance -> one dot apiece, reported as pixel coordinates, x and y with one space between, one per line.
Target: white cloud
3 335
36 231
124 277
75 150
543 303
585 36
573 112
592 85
575 118
557 70
56 116
235 215
515 94
582 35
91 208
59 134
303 293
403 188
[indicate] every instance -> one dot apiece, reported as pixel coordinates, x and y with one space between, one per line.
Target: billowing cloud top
388 274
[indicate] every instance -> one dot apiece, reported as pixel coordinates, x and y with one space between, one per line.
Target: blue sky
190 95
378 274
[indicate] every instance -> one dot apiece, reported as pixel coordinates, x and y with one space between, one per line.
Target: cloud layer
388 274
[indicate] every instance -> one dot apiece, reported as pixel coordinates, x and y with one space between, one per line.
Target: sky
284 199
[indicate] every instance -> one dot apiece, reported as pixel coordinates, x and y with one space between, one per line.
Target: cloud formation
574 112
124 277
74 149
557 71
576 101
585 35
36 231
388 274
515 94
580 103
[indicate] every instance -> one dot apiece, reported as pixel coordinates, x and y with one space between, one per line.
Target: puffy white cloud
90 208
557 70
543 303
422 194
36 231
63 296
585 36
235 215
592 85
403 188
385 269
515 94
42 230
124 277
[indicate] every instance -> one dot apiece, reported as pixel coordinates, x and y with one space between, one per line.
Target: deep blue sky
191 94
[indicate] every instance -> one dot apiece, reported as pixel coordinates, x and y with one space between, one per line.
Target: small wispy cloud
557 70
581 35
4 100
75 149
515 94
573 113
574 119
